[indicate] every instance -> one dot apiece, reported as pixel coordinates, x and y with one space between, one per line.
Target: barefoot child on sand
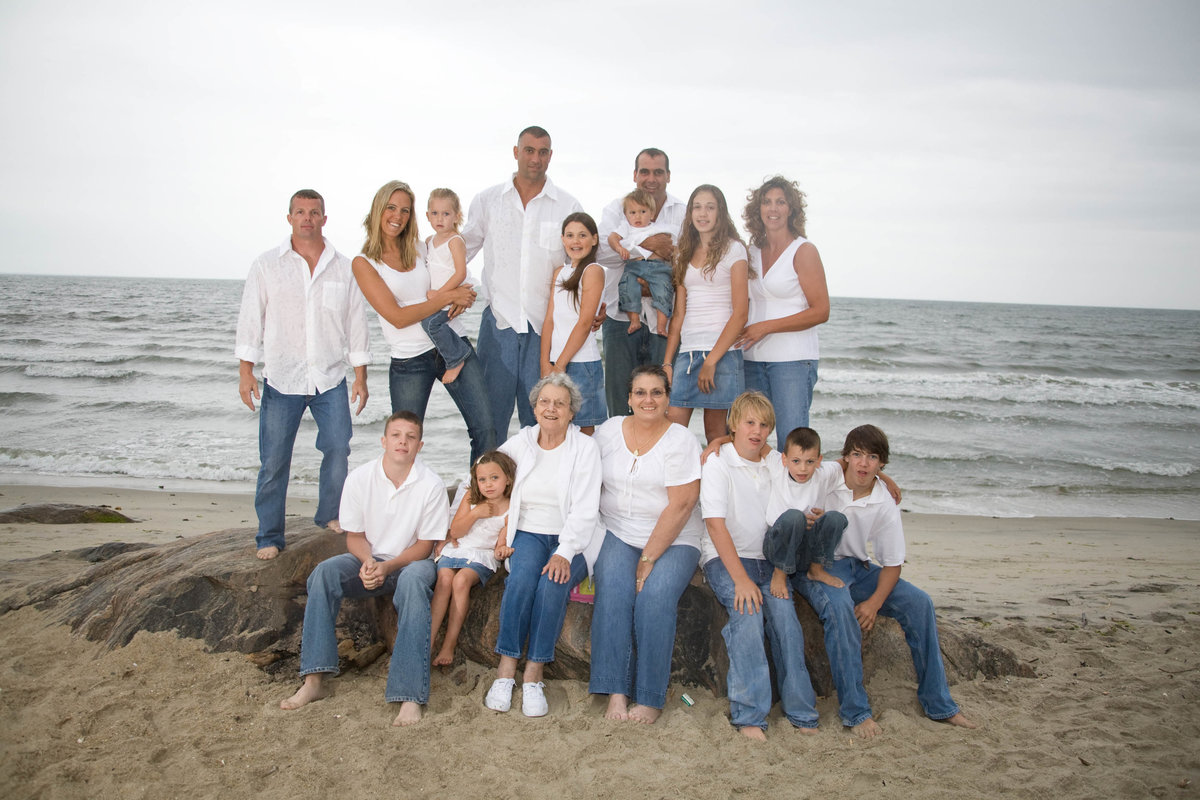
447 262
478 539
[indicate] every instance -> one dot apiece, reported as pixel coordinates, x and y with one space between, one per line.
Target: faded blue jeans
512 364
789 387
533 607
279 418
626 621
411 588
622 352
749 680
908 605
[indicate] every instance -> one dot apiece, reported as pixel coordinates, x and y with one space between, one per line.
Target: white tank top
778 294
566 314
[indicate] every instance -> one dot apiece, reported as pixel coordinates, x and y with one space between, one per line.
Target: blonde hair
373 246
689 237
447 194
751 402
753 213
641 198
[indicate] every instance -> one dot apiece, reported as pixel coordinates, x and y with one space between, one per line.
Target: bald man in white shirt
518 226
304 318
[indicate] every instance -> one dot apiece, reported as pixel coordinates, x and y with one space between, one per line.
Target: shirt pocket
334 296
551 236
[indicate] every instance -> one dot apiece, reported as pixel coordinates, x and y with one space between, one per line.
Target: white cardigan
579 490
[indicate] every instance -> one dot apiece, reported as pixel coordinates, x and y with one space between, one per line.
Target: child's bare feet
449 375
644 714
805 731
959 720
818 573
635 322
753 732
618 708
309 692
779 587
410 713
663 322
444 658
267 553
867 729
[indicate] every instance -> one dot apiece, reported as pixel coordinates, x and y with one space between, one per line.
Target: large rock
213 588
62 514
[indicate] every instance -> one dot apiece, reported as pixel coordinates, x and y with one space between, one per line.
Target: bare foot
805 731
449 375
410 714
310 692
444 658
334 526
635 323
267 553
816 572
645 714
663 322
779 581
618 708
867 729
753 732
959 720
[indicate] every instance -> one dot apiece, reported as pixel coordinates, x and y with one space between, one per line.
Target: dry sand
1105 610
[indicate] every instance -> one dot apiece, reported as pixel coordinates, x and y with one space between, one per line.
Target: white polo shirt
874 519
394 517
736 490
788 494
670 216
304 327
521 247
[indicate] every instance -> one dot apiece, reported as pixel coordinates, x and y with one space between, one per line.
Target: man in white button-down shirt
518 226
303 316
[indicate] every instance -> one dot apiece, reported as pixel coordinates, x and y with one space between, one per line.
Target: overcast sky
1040 152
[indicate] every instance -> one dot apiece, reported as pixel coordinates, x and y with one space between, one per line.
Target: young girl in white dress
447 261
477 541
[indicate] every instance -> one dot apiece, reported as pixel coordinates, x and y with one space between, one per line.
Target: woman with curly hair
710 277
788 300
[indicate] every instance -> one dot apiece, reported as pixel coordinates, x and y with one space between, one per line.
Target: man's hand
660 245
359 391
601 315
866 612
248 385
371 574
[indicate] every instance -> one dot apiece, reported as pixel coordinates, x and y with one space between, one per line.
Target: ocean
991 409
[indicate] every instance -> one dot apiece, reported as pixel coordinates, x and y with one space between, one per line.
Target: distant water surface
992 409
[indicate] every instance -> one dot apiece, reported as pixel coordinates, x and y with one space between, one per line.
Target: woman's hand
644 568
751 334
460 298
558 569
706 378
502 551
747 597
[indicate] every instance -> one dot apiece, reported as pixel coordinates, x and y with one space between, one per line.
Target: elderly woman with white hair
552 524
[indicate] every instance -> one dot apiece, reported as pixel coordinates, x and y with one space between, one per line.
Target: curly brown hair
753 213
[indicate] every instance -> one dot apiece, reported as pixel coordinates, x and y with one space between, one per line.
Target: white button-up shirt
521 246
671 217
304 327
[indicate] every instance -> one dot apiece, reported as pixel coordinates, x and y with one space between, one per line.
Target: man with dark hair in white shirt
518 226
624 350
303 316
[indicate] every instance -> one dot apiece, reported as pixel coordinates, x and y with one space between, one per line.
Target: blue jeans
411 588
589 377
790 545
657 275
789 387
625 620
749 679
908 605
512 364
453 348
411 379
279 418
533 607
728 381
622 352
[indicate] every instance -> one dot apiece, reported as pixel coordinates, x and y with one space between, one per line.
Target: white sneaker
499 697
533 700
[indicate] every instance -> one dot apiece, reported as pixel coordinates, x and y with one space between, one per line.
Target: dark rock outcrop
62 514
213 588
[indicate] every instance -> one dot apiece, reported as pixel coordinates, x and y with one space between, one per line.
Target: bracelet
645 559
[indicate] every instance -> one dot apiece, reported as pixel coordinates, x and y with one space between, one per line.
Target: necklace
638 442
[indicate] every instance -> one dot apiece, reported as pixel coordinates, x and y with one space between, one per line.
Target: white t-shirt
634 492
787 493
737 491
873 519
670 216
541 502
709 301
394 518
631 237
409 288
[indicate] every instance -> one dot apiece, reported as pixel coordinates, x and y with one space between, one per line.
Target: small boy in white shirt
639 225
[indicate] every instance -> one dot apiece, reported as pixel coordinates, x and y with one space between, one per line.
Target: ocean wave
80 371
93 466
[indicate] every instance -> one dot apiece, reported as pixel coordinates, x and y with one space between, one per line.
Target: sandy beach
1105 610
